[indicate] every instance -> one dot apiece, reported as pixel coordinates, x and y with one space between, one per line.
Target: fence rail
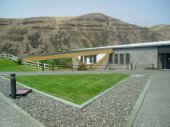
8 56
44 66
26 62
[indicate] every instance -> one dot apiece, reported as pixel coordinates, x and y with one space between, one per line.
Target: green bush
19 61
82 66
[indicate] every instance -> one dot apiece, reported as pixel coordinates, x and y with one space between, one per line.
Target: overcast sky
139 12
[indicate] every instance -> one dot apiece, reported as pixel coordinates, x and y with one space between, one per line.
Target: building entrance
168 61
164 62
164 57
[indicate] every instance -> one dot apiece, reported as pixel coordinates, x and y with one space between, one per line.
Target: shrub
82 66
27 48
20 31
34 39
19 61
14 37
63 61
85 43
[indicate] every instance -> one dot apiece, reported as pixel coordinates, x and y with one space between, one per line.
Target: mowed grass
8 65
75 88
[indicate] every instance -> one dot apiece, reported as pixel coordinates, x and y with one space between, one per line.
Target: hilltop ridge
162 29
41 35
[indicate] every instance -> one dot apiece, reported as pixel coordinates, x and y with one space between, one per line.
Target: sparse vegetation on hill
54 34
162 29
34 39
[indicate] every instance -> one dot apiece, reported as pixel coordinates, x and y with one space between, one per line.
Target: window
90 59
115 58
85 59
121 58
127 58
81 59
94 59
111 58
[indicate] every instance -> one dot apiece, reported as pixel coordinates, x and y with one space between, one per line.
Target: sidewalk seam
137 106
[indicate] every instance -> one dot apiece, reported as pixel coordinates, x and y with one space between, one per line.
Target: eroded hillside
162 29
41 35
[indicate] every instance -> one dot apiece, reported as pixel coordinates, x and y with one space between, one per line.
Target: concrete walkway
74 72
155 110
12 116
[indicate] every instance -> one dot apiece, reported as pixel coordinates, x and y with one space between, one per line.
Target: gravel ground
110 110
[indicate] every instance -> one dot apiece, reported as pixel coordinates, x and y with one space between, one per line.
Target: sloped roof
135 45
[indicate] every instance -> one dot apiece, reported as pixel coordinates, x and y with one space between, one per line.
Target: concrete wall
140 56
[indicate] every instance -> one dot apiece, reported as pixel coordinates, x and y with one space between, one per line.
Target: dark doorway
164 61
168 61
164 57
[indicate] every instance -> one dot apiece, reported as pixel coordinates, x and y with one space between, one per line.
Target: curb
28 116
81 106
102 93
136 108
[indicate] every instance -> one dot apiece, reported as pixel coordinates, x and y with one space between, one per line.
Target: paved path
155 110
74 72
13 116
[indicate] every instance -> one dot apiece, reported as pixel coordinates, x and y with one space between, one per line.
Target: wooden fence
26 62
45 66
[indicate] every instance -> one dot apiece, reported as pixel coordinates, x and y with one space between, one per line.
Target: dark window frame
116 59
121 59
127 58
111 58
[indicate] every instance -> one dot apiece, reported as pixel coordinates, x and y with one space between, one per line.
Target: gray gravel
110 110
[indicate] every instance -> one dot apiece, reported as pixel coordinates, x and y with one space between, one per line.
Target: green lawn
8 65
75 88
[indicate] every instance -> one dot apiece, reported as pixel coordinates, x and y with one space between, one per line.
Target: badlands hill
41 35
162 29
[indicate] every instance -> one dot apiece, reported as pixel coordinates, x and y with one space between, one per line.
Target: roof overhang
135 45
68 54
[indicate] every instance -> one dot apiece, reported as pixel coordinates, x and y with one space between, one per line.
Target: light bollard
13 86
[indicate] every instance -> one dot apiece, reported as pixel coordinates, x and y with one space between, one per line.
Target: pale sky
139 12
